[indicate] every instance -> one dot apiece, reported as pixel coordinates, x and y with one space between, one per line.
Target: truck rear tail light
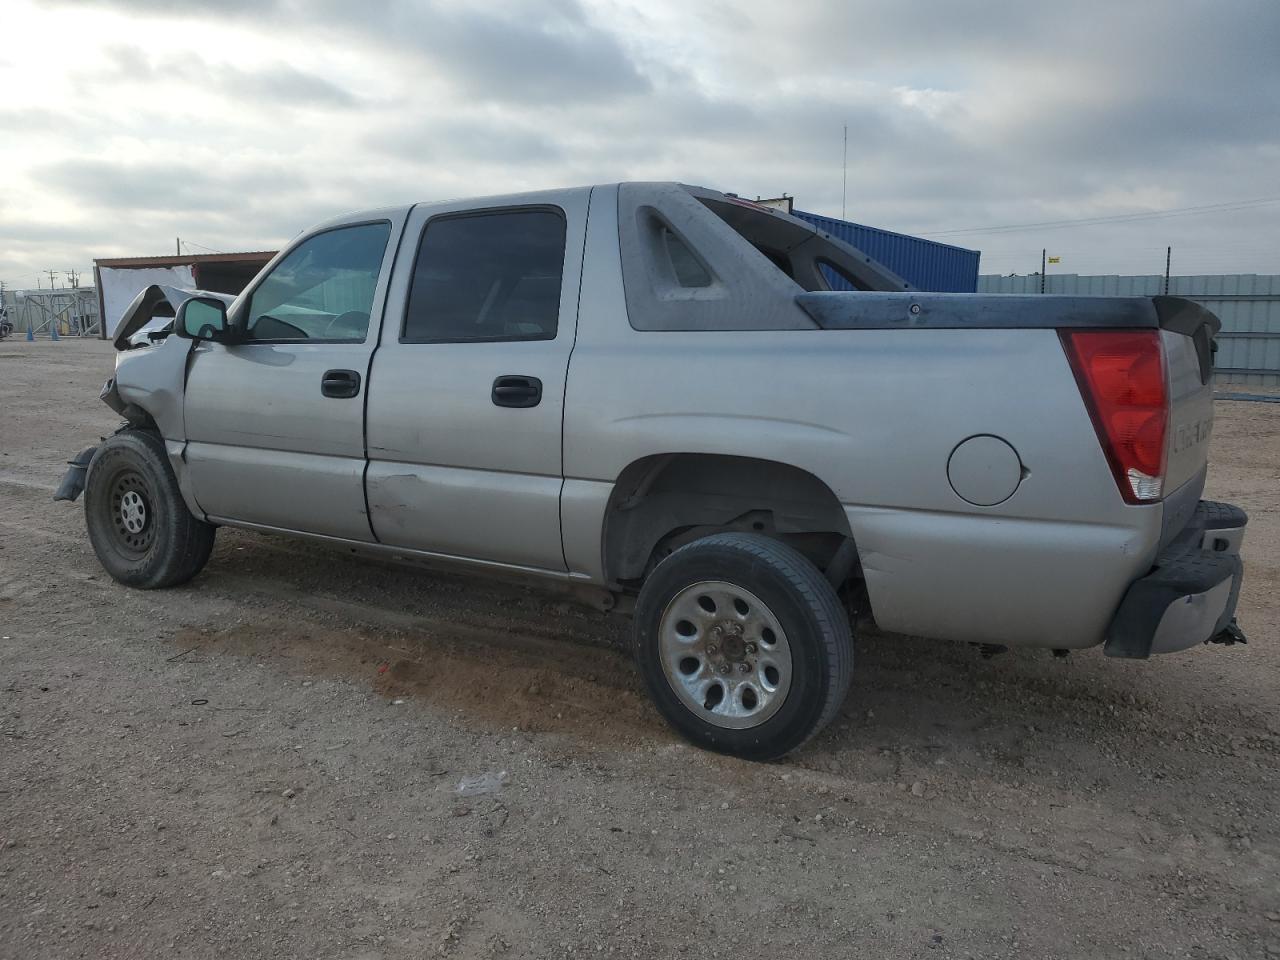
1122 378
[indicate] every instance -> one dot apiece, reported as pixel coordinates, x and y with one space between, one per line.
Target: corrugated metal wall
924 264
1248 304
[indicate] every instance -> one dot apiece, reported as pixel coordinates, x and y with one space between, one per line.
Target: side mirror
202 318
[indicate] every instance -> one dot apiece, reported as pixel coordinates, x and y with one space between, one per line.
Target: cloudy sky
235 124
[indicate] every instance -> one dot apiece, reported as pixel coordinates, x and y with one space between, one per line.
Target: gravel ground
303 754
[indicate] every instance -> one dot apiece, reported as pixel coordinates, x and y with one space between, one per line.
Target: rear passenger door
466 391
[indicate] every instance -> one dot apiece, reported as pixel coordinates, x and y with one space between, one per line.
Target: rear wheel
138 523
743 644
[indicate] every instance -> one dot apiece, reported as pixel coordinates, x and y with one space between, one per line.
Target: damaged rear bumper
1190 595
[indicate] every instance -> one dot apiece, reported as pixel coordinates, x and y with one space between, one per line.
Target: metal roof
254 256
925 264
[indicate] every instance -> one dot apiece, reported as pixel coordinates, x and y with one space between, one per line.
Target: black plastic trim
1182 568
1133 629
970 311
340 384
517 391
1184 316
1222 516
72 484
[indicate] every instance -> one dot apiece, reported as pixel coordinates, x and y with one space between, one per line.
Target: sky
125 124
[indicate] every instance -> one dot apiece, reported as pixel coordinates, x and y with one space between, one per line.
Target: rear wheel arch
661 502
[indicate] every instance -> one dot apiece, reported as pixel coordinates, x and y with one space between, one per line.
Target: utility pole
1043 257
73 303
177 244
1168 260
52 274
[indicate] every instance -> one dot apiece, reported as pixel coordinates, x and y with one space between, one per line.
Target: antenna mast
844 173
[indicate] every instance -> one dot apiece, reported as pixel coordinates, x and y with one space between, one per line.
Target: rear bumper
1190 595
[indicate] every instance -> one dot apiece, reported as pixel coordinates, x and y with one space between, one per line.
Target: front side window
323 290
487 276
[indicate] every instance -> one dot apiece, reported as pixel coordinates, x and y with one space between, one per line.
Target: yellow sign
1055 259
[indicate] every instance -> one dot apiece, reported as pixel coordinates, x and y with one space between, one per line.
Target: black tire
797 596
163 544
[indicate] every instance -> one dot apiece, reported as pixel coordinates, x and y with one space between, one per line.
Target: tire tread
813 585
188 539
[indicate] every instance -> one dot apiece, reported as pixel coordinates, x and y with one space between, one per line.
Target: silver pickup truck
733 425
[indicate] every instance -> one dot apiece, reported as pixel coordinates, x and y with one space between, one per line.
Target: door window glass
688 269
323 290
490 276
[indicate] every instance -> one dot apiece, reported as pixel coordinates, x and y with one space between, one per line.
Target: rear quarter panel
875 414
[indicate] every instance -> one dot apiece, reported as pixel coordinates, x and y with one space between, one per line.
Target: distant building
71 311
925 264
120 279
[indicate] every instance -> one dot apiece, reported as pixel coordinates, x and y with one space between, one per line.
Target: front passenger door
275 424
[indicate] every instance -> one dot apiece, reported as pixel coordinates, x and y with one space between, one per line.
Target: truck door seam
368 376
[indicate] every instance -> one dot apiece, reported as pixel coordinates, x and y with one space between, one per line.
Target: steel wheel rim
132 515
717 635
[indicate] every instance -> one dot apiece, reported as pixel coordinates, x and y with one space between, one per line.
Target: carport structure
120 279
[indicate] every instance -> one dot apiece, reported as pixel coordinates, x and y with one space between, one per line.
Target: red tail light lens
1122 378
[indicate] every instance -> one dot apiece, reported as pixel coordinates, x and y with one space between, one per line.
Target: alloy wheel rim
725 654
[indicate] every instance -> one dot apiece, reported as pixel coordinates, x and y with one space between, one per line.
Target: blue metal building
924 264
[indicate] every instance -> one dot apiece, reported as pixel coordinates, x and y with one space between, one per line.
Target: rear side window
838 278
487 276
687 268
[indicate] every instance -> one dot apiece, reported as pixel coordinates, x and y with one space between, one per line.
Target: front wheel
138 523
743 644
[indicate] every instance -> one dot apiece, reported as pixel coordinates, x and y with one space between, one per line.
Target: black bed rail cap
833 310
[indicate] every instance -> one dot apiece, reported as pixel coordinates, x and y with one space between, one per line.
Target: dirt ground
305 754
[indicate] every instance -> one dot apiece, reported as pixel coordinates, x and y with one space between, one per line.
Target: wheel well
137 418
661 502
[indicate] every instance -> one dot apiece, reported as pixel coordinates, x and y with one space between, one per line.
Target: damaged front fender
110 395
143 309
150 379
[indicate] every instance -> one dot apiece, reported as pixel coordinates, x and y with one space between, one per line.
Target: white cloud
236 126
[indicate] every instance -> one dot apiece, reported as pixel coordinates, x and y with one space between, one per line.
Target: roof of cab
498 199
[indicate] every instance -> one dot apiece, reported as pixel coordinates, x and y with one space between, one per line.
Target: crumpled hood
144 304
